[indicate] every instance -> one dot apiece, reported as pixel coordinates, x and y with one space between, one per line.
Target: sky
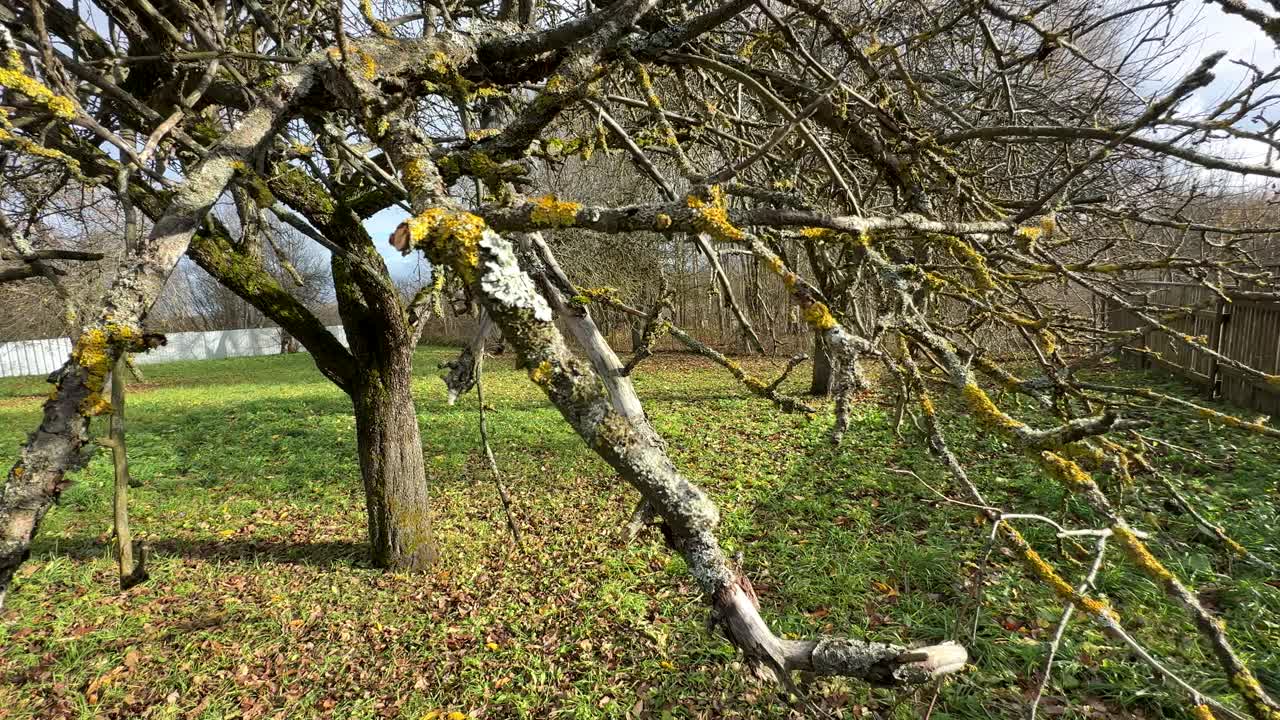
1210 31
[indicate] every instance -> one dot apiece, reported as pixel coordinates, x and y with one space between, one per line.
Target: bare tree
953 177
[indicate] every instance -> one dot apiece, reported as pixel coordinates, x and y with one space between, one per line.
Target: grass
261 602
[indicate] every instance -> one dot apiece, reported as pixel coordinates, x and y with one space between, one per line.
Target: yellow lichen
662 222
1140 555
1029 234
555 84
14 77
449 237
817 232
973 260
934 281
1045 573
440 63
980 404
711 217
926 405
93 352
1092 456
369 66
379 27
1048 224
26 146
1048 340
1067 471
1202 712
415 173
540 374
550 212
1248 686
819 317
1233 546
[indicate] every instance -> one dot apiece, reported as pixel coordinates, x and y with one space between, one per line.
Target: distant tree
953 177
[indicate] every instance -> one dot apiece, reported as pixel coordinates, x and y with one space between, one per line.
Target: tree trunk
391 466
820 385
132 571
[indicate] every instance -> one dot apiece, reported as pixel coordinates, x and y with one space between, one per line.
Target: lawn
261 602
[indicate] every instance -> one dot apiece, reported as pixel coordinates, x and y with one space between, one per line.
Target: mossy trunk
391 466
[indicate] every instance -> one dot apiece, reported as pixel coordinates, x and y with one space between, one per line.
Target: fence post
1220 318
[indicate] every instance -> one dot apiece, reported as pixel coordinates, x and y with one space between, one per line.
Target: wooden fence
1239 328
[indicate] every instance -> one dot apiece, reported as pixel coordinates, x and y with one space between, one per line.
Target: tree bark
391 466
821 382
132 571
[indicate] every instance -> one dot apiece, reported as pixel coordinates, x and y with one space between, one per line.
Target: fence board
1247 331
41 357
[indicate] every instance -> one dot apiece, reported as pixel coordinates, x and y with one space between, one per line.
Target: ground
261 602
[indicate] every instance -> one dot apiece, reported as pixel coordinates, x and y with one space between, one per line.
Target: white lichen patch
504 281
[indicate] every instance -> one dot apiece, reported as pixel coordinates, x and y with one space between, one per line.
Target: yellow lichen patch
926 405
1048 341
1272 379
934 281
1045 573
540 374
819 317
598 293
775 264
555 84
1202 712
711 217
93 352
1067 471
662 222
1092 456
13 76
1248 686
369 66
1233 546
449 237
973 260
440 63
1048 223
379 27
26 146
1028 233
1225 419
550 212
980 404
415 173
817 232
1141 556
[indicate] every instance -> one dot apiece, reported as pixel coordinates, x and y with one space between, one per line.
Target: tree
942 172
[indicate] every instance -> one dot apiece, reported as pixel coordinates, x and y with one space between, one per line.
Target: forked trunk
395 483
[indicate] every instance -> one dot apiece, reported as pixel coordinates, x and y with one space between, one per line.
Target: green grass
261 602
